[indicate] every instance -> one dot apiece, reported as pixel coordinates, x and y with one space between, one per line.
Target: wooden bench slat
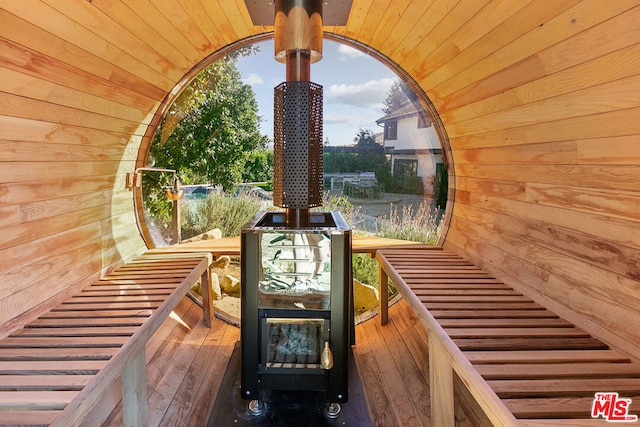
31 418
63 315
471 299
460 284
533 314
516 332
128 283
132 305
502 322
509 389
48 353
532 343
444 271
437 268
62 342
560 407
140 292
81 320
78 331
43 382
452 281
51 366
154 276
559 370
91 299
545 356
416 273
178 266
471 292
35 400
462 305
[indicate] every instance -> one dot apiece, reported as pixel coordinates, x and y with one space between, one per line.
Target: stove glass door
295 270
293 343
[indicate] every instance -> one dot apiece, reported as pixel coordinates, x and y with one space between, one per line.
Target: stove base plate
286 408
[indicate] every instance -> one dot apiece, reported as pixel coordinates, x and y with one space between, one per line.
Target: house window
405 168
391 130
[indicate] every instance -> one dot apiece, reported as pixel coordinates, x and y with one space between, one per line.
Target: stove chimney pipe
298 110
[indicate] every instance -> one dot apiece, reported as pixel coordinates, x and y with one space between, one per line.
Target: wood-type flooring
186 363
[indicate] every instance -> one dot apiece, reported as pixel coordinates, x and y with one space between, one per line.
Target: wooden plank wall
539 100
541 107
79 83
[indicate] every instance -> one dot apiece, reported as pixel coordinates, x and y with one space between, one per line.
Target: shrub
365 269
417 225
404 185
218 210
340 204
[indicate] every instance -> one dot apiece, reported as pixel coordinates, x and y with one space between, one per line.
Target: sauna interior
538 103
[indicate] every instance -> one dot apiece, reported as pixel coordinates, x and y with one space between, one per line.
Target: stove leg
257 407
332 410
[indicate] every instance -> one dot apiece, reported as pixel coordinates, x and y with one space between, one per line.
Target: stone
212 234
216 293
221 262
365 297
230 285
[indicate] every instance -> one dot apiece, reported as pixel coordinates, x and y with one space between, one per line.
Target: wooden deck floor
186 363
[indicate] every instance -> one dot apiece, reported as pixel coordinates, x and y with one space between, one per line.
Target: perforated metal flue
298 145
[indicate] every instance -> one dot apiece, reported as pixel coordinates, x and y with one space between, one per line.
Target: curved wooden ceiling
540 101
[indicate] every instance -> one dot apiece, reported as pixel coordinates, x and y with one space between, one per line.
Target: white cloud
370 94
253 79
332 119
349 52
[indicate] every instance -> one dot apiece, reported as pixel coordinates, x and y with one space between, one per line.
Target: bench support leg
383 285
207 298
441 384
134 392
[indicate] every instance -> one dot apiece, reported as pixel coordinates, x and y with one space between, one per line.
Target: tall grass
332 203
420 224
218 210
230 212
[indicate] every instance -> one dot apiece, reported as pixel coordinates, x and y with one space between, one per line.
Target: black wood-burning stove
296 305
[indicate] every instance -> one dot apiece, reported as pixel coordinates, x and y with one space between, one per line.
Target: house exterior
412 144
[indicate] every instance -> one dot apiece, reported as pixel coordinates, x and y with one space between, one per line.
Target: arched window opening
384 167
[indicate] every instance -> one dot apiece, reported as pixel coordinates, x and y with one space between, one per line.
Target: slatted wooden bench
522 364
55 369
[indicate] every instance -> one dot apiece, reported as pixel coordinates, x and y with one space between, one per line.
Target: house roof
408 110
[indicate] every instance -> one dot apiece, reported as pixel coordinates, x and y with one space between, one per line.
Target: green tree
258 166
207 135
371 155
365 138
212 128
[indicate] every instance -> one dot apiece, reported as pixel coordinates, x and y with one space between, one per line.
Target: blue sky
354 86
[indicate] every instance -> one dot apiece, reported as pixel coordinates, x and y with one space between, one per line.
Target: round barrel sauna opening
386 162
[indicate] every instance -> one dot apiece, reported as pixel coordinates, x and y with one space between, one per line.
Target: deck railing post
134 391
383 285
441 382
207 298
